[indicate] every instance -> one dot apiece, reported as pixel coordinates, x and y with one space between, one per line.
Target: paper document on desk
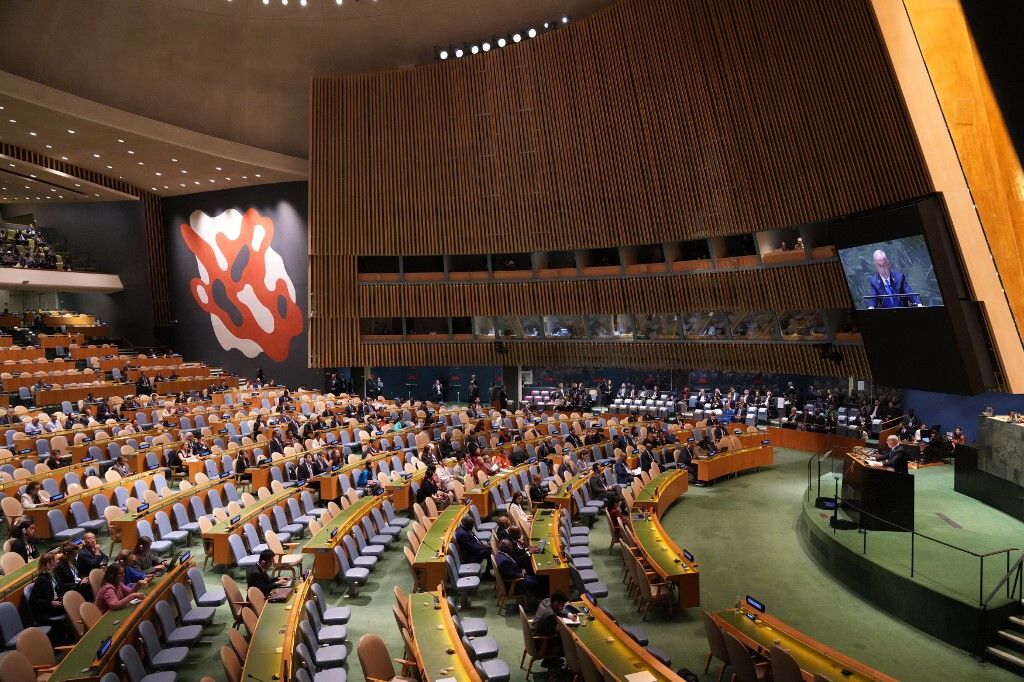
643 676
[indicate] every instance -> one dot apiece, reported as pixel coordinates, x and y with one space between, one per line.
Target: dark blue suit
471 549
898 284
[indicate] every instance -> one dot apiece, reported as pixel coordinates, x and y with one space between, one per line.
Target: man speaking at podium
890 288
898 456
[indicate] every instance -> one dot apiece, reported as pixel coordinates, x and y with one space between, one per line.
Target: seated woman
113 594
33 495
132 577
67 575
44 602
24 540
143 557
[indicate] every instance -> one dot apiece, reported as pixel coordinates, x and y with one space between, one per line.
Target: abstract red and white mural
243 284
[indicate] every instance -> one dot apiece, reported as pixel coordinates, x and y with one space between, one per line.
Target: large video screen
897 273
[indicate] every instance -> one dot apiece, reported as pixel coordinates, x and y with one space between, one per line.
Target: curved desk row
272 644
38 514
662 490
429 564
549 562
121 625
216 539
321 545
437 647
734 461
614 652
813 657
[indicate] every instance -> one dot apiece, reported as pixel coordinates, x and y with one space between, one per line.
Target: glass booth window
533 327
658 326
601 326
564 327
704 325
483 326
754 325
803 324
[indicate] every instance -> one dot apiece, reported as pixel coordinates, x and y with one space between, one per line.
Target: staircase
1005 647
1008 649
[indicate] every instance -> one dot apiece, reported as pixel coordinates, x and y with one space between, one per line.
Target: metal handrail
1016 568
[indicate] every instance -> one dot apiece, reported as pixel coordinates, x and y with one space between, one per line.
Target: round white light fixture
486 47
502 42
565 20
517 38
459 53
475 49
532 33
443 54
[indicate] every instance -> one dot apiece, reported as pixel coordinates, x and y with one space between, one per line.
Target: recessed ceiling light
174 160
141 163
12 165
63 158
130 151
110 167
71 131
258 175
95 195
565 20
153 188
245 177
212 180
77 185
60 196
218 168
197 182
27 187
12 120
49 146
120 140
159 174
532 33
228 179
32 133
96 156
165 186
30 175
183 184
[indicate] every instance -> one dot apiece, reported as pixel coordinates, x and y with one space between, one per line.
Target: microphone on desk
275 677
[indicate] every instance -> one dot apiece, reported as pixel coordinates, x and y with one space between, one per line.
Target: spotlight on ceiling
517 38
475 49
459 53
565 20
486 47
442 54
532 33
502 42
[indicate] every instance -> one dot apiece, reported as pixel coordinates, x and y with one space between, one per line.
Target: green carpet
947 516
743 533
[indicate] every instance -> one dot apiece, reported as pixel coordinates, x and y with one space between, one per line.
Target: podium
887 497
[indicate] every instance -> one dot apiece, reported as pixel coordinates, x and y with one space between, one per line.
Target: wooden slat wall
650 121
818 286
775 357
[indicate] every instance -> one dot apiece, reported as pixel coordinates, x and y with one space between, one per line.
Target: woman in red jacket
113 594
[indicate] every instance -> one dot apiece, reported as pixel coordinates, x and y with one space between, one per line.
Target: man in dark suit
887 285
471 548
259 575
510 570
898 455
276 444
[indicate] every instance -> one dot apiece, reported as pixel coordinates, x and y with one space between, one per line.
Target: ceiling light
302 2
153 188
475 49
71 131
30 175
228 179
49 146
502 42
547 24
96 156
218 168
284 2
32 134
130 151
12 120
63 158
517 38
60 196
443 54
212 180
486 47
266 2
183 184
159 174
338 2
459 52
532 33
165 186
77 185
174 160
245 177
110 167
141 163
197 182
120 140
184 172
258 175
565 20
